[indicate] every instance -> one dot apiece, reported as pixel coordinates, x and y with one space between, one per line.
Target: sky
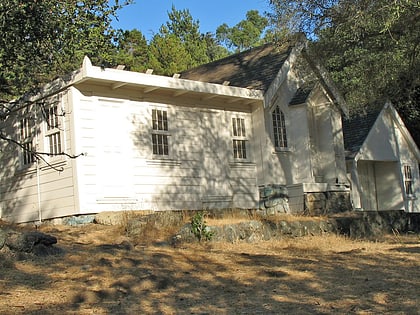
148 15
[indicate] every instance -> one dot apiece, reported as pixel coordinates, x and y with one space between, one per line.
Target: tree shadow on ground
223 278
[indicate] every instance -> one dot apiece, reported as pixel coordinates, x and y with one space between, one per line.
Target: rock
111 218
78 220
34 242
3 237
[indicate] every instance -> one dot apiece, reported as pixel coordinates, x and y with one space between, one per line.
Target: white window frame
408 177
279 129
240 140
27 140
53 144
160 133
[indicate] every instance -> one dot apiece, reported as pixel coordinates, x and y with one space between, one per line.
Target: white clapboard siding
116 135
39 191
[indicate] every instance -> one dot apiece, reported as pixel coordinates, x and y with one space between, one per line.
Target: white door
114 179
215 169
367 180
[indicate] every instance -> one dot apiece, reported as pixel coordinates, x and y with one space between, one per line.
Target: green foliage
370 47
132 51
177 46
244 35
199 227
42 39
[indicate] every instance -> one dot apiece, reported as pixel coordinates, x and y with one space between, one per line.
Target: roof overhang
155 87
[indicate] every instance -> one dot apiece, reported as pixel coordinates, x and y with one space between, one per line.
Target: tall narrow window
279 129
160 134
53 134
239 138
408 180
26 140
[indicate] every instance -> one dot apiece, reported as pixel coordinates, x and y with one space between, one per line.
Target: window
279 129
160 135
239 138
26 140
53 134
408 180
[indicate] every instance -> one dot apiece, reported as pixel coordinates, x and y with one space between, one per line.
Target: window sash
160 144
279 129
26 140
52 117
239 149
408 180
54 141
159 119
239 141
160 135
28 157
238 127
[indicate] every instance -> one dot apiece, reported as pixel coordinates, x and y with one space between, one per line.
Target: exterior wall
326 140
37 191
315 152
290 165
381 143
120 171
407 157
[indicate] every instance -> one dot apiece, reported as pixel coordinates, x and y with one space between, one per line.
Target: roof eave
119 78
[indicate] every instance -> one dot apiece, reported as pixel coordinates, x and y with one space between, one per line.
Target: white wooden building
208 138
382 161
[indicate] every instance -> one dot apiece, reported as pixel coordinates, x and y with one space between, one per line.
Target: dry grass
310 275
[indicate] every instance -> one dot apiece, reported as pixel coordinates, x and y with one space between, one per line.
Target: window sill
56 163
241 163
282 150
163 161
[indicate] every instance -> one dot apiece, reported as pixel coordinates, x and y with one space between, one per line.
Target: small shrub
199 228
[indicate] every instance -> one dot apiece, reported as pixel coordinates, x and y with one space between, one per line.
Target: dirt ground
103 272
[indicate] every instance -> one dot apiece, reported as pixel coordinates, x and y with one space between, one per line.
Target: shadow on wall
199 171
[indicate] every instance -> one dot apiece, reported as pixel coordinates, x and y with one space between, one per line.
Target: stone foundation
274 199
323 203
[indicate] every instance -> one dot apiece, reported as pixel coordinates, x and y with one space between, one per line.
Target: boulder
33 242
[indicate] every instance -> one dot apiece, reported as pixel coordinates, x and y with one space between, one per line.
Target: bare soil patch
104 272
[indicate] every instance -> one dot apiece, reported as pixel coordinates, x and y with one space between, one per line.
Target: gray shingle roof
356 129
300 96
254 69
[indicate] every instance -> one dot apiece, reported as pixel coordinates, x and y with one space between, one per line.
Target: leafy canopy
244 35
371 48
42 39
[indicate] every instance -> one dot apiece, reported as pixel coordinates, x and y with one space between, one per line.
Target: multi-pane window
26 140
160 143
408 180
53 134
279 129
239 138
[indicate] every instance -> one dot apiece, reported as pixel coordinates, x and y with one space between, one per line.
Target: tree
132 51
42 39
178 45
167 53
371 48
244 35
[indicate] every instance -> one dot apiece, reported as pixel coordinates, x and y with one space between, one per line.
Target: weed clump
199 228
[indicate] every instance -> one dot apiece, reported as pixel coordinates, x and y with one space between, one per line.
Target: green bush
199 228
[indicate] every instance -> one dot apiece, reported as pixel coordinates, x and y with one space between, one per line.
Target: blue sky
148 15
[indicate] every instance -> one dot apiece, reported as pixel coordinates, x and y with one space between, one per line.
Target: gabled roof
253 69
356 129
263 68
